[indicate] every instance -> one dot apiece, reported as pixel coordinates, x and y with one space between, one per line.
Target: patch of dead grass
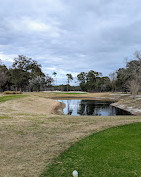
61 95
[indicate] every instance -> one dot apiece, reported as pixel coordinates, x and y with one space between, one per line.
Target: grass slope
10 97
113 152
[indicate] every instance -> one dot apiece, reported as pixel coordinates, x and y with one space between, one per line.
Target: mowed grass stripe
11 97
70 93
113 152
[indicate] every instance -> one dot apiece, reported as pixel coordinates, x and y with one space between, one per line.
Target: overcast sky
70 36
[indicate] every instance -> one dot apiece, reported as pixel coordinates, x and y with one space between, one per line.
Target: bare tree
49 80
133 70
133 86
113 77
36 83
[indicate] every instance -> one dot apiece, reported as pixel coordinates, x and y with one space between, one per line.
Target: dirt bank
130 104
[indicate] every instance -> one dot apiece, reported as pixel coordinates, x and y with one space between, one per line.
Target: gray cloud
71 36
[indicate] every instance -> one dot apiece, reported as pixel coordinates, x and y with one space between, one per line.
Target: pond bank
89 107
45 102
130 104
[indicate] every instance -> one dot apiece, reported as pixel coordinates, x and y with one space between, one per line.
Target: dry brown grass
32 104
30 140
102 95
11 92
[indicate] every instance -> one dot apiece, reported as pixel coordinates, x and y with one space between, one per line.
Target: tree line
129 78
26 74
126 79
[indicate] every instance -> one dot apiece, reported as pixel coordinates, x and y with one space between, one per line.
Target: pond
91 107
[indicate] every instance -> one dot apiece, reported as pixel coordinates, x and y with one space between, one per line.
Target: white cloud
71 36
50 69
37 26
34 26
7 57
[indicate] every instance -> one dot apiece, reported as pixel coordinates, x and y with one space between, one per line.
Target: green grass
115 152
4 117
69 93
10 97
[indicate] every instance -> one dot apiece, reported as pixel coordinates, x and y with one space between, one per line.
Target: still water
91 107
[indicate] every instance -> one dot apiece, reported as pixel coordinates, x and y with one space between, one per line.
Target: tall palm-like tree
69 79
55 78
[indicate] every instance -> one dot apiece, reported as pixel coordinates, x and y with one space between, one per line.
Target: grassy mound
110 153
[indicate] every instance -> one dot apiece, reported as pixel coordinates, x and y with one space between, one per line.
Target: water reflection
69 109
91 107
